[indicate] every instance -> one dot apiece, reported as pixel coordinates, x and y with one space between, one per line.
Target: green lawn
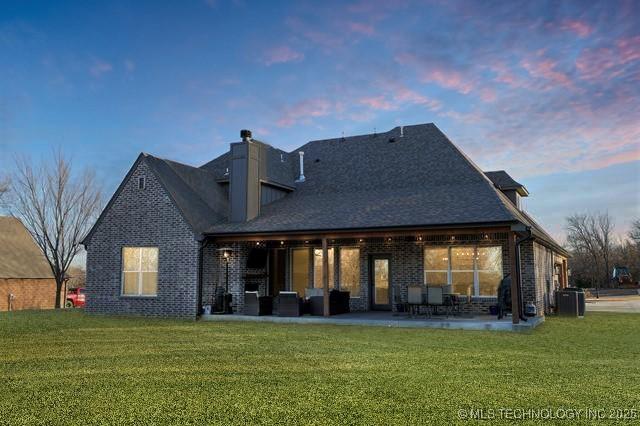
60 367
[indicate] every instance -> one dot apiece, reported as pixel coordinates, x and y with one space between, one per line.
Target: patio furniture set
290 304
432 299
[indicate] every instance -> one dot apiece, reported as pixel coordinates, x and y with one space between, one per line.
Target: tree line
595 250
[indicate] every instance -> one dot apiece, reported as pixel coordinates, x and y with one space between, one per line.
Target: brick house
26 280
370 214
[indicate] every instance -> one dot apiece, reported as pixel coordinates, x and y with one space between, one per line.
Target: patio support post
325 276
515 314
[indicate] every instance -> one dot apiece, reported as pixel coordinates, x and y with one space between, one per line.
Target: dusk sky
549 91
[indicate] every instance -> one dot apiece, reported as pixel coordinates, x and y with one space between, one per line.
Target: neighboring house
26 280
395 209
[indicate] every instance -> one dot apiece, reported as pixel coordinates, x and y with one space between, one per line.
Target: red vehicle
75 298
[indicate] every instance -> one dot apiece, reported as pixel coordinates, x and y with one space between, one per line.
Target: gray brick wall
537 269
143 218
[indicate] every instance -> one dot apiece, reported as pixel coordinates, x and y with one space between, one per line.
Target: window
468 269
436 266
300 270
489 261
142 182
139 271
462 259
350 271
317 268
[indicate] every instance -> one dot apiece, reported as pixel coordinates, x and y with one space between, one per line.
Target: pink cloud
99 68
593 64
377 102
488 94
580 28
361 28
504 74
546 69
445 76
281 55
405 95
449 79
629 49
305 110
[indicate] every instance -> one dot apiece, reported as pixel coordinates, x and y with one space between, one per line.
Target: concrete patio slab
387 319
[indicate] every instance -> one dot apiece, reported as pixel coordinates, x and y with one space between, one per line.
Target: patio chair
338 303
452 303
415 299
435 298
289 304
311 292
255 305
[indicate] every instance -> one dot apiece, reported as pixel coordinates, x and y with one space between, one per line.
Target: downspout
203 244
519 241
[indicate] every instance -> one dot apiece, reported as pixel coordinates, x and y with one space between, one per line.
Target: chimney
248 164
301 178
245 135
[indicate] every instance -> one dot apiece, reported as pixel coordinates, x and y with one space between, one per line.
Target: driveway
629 304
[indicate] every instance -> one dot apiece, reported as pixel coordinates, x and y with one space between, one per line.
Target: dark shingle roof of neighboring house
20 257
502 180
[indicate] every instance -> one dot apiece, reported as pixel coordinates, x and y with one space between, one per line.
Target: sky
549 91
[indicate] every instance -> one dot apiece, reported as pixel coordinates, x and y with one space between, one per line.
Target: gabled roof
503 181
194 191
20 257
413 177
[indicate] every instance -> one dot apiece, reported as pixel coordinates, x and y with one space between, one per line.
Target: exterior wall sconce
227 298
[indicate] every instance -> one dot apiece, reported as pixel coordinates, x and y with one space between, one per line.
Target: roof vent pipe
401 131
245 135
301 177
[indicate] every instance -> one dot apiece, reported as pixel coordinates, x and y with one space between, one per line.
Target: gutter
381 229
203 244
528 236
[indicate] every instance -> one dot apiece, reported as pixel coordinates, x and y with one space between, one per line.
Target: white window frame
449 270
139 272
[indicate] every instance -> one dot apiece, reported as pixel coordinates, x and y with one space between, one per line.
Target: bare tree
57 208
592 235
4 187
634 233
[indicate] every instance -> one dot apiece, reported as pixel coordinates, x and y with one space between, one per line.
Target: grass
66 367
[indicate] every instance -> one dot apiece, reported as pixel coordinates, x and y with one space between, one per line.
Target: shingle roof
407 177
382 180
502 180
20 257
279 166
200 199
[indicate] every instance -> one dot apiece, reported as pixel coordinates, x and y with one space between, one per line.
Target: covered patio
390 319
375 268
